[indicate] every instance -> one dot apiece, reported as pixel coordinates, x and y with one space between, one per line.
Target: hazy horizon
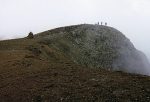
18 18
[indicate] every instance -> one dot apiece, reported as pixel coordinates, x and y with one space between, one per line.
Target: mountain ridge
38 70
95 39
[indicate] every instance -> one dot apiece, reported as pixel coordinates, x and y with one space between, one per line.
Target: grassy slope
31 71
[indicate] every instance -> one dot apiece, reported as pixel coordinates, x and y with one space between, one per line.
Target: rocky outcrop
97 46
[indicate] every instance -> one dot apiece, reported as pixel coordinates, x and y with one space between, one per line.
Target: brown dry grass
50 76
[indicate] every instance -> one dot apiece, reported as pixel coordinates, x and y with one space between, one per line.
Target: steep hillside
41 70
97 46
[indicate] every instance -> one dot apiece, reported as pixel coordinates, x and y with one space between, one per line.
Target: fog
18 17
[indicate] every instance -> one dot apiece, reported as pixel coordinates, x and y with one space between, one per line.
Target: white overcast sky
132 17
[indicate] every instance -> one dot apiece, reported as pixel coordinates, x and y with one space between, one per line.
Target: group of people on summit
102 23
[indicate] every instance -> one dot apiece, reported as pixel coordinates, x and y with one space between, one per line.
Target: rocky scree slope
97 46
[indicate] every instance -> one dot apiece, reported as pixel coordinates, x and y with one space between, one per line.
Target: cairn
30 35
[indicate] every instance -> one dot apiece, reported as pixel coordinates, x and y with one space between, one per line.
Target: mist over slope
97 46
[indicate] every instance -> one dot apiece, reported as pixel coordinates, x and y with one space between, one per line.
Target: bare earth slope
33 71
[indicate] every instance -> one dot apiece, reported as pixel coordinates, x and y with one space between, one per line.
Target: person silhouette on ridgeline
101 23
